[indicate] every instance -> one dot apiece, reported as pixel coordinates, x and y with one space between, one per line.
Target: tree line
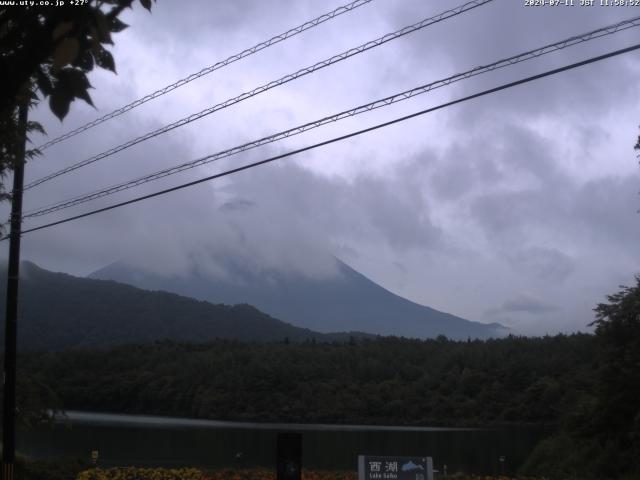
380 381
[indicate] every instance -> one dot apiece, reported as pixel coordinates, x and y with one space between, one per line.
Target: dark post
10 335
289 456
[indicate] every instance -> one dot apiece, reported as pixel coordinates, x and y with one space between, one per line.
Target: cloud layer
519 207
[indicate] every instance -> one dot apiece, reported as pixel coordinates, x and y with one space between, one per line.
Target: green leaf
117 25
59 104
105 60
31 153
85 61
44 82
35 127
95 42
75 84
80 91
104 35
65 53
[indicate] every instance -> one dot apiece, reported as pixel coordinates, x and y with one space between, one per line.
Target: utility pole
10 335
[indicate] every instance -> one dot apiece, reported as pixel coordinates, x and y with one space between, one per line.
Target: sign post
394 468
289 456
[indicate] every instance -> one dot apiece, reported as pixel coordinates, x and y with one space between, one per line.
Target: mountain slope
346 301
59 311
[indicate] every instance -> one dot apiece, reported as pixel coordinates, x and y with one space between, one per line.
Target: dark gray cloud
524 303
237 205
580 97
547 264
598 213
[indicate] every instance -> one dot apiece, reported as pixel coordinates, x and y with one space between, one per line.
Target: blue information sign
372 467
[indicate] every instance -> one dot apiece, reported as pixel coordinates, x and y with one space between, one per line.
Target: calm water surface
163 441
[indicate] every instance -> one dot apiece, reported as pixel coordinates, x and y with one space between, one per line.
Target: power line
212 68
398 97
268 86
337 139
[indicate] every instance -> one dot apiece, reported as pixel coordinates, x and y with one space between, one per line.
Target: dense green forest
387 380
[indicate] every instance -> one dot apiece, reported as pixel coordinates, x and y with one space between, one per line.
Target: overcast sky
519 207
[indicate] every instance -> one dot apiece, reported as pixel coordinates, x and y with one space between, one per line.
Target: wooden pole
10 335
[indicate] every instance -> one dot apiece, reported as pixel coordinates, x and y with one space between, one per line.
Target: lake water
171 442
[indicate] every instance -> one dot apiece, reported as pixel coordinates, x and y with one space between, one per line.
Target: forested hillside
59 311
343 301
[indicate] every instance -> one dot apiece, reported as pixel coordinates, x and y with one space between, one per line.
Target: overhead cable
337 139
398 97
268 86
212 68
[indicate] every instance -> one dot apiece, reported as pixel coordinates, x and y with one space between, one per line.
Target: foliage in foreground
601 435
43 470
49 51
132 473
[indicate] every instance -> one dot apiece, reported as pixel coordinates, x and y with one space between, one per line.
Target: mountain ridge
345 301
59 311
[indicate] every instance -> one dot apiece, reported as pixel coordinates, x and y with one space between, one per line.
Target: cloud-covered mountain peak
346 300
